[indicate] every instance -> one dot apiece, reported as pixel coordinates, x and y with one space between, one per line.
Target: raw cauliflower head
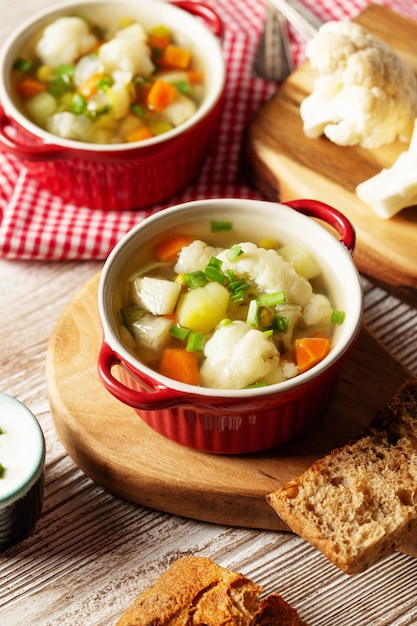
365 94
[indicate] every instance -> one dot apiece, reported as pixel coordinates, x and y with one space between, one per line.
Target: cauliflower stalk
394 188
365 94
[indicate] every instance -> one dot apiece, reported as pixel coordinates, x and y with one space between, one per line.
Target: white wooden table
91 552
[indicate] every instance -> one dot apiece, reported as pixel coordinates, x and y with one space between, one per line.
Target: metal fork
273 60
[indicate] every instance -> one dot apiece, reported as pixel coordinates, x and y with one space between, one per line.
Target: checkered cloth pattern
37 225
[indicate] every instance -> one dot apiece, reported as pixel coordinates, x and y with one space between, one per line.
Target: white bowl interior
252 220
205 47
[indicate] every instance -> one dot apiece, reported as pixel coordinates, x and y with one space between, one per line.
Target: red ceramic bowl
119 176
232 421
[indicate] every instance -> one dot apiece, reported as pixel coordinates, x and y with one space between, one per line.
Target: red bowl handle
29 152
158 396
210 18
326 213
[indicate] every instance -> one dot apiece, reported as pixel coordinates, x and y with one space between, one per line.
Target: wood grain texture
110 443
284 164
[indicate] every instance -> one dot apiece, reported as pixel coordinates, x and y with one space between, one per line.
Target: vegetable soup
223 312
125 84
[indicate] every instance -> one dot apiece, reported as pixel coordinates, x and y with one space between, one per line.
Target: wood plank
110 443
284 164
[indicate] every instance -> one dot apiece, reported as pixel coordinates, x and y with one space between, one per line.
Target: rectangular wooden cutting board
284 164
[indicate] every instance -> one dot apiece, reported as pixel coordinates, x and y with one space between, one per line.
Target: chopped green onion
225 322
195 342
239 284
104 82
272 299
2 468
22 65
253 310
183 87
238 289
268 333
213 270
1 431
213 273
337 317
234 252
78 104
230 275
65 70
179 332
219 226
196 279
281 324
215 262
137 110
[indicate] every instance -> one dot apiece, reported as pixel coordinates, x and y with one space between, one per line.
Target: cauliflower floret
66 124
318 312
238 355
195 257
64 41
269 272
365 93
127 51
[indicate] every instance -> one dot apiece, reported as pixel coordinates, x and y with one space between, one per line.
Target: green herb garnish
179 332
218 226
78 104
272 299
195 342
22 65
195 279
337 317
234 252
137 110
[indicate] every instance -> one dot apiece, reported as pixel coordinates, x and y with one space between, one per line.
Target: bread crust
195 591
359 503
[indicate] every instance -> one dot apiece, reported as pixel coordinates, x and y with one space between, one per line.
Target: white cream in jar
22 461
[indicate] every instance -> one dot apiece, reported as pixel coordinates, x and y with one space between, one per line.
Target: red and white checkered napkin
37 225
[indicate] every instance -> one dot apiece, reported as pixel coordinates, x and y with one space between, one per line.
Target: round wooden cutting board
111 444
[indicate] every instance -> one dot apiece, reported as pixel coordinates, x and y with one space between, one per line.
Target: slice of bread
359 503
197 591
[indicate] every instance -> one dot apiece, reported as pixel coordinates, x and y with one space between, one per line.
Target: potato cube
203 308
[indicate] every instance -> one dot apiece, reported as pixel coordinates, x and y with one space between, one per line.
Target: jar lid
22 450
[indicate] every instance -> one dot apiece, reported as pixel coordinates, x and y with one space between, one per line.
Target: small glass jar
22 469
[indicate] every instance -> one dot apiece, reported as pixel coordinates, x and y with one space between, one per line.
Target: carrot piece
169 249
175 57
195 76
160 95
180 365
89 86
139 134
159 40
29 87
310 350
